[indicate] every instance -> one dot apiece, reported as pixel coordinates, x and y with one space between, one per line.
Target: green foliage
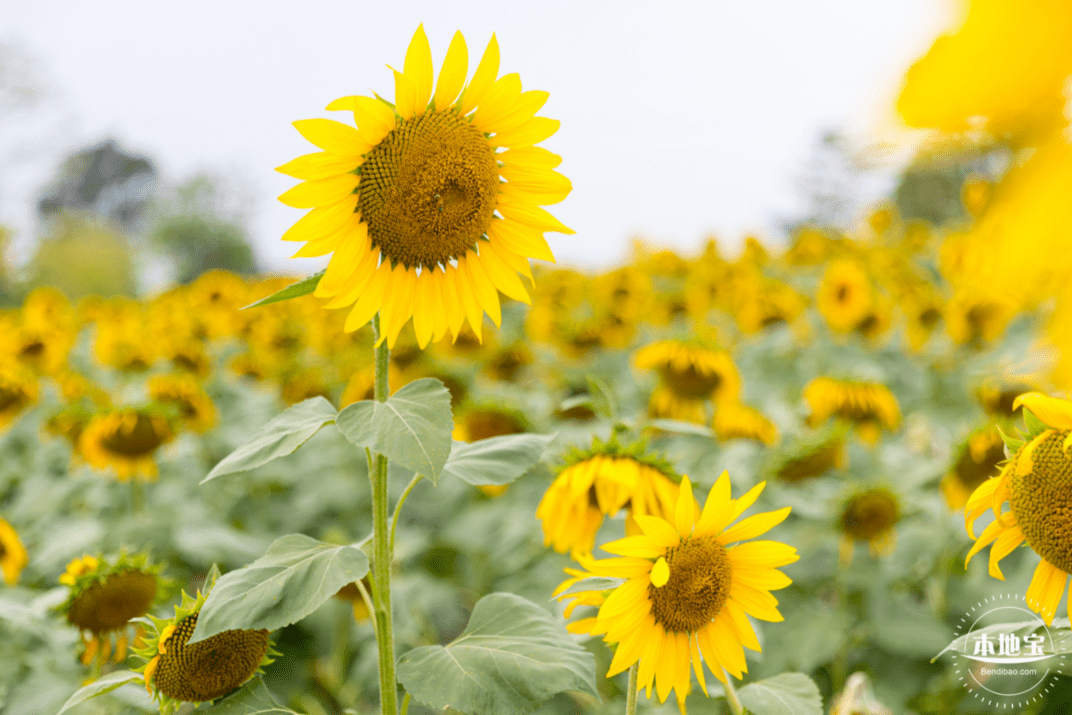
198 243
497 460
412 428
294 578
294 290
83 258
511 657
104 684
785 694
253 699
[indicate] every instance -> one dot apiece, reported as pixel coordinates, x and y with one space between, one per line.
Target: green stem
631 693
381 548
137 495
405 704
731 694
401 501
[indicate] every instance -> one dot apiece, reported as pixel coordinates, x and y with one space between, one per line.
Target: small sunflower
18 390
689 375
845 295
125 440
413 204
177 672
870 516
13 557
599 482
977 461
869 406
184 392
734 420
1037 484
104 597
690 587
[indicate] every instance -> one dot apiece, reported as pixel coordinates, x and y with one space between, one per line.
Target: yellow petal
320 165
483 78
501 98
369 302
453 311
658 530
683 514
697 663
754 525
502 276
405 95
332 136
520 239
660 573
321 192
483 289
374 119
530 157
461 281
452 74
418 67
639 546
521 109
422 314
322 220
1002 547
717 509
544 194
531 132
1052 411
530 215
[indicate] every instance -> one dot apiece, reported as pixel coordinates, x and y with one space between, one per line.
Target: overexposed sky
679 120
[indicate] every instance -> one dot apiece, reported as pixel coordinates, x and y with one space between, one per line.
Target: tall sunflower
690 374
425 218
1037 484
690 585
12 554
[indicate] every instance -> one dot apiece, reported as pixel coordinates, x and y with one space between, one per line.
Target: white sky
679 120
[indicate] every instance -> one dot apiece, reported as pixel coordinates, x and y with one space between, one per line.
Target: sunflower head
13 557
811 246
18 390
811 459
845 295
975 318
734 420
183 392
105 595
122 340
177 672
125 440
598 482
425 215
475 422
977 460
869 406
689 581
690 374
870 516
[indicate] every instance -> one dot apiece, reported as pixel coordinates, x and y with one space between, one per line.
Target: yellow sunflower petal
660 573
530 215
530 157
1052 411
369 302
310 194
374 119
1002 547
520 239
500 100
501 275
483 289
990 533
684 513
1047 587
322 220
697 662
405 95
531 132
452 74
978 503
638 546
658 530
754 525
756 602
332 136
320 165
483 78
418 68
510 116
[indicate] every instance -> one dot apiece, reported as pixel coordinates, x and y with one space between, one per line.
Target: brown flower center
109 605
142 439
699 585
485 424
429 189
210 668
812 464
871 514
690 383
1042 501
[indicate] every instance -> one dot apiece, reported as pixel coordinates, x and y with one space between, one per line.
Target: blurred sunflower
177 672
689 375
734 420
352 595
845 295
125 440
690 585
601 481
998 396
300 383
40 345
18 390
811 246
122 340
870 515
869 406
104 597
1037 484
184 392
407 202
974 317
214 299
474 422
763 302
507 363
362 384
977 460
13 557
811 459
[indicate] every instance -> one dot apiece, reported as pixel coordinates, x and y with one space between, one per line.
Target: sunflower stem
382 547
731 694
137 496
631 692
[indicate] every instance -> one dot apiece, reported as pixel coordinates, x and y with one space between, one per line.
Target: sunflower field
436 478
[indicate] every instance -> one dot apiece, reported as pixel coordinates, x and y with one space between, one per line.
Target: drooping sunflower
869 406
125 440
1037 484
845 295
184 392
869 515
734 420
13 557
18 390
977 461
104 597
690 374
424 217
599 482
689 587
177 672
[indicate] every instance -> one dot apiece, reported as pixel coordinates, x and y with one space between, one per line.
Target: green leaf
412 427
294 290
1034 425
253 699
603 402
681 427
785 694
100 686
512 656
289 582
595 583
278 438
496 460
1012 444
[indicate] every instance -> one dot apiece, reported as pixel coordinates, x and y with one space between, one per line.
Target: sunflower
508 362
601 481
362 384
125 440
870 406
40 345
869 515
845 295
810 460
103 599
184 392
761 302
974 317
690 585
412 203
977 460
734 420
121 340
689 375
13 557
177 672
18 390
1037 484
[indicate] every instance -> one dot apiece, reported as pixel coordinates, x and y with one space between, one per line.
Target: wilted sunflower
184 392
18 390
13 557
601 481
977 461
412 203
178 672
734 420
689 375
1037 484
690 587
104 597
125 440
869 406
845 295
871 516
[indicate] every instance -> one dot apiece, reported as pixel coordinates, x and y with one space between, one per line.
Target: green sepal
1012 444
294 290
1034 425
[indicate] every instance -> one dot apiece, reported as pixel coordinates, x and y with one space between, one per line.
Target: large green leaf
100 686
294 290
785 694
412 427
280 437
289 582
512 656
253 699
497 460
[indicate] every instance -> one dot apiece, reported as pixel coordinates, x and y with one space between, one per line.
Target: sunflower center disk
690 382
1042 502
870 515
698 587
140 440
428 190
110 604
210 668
